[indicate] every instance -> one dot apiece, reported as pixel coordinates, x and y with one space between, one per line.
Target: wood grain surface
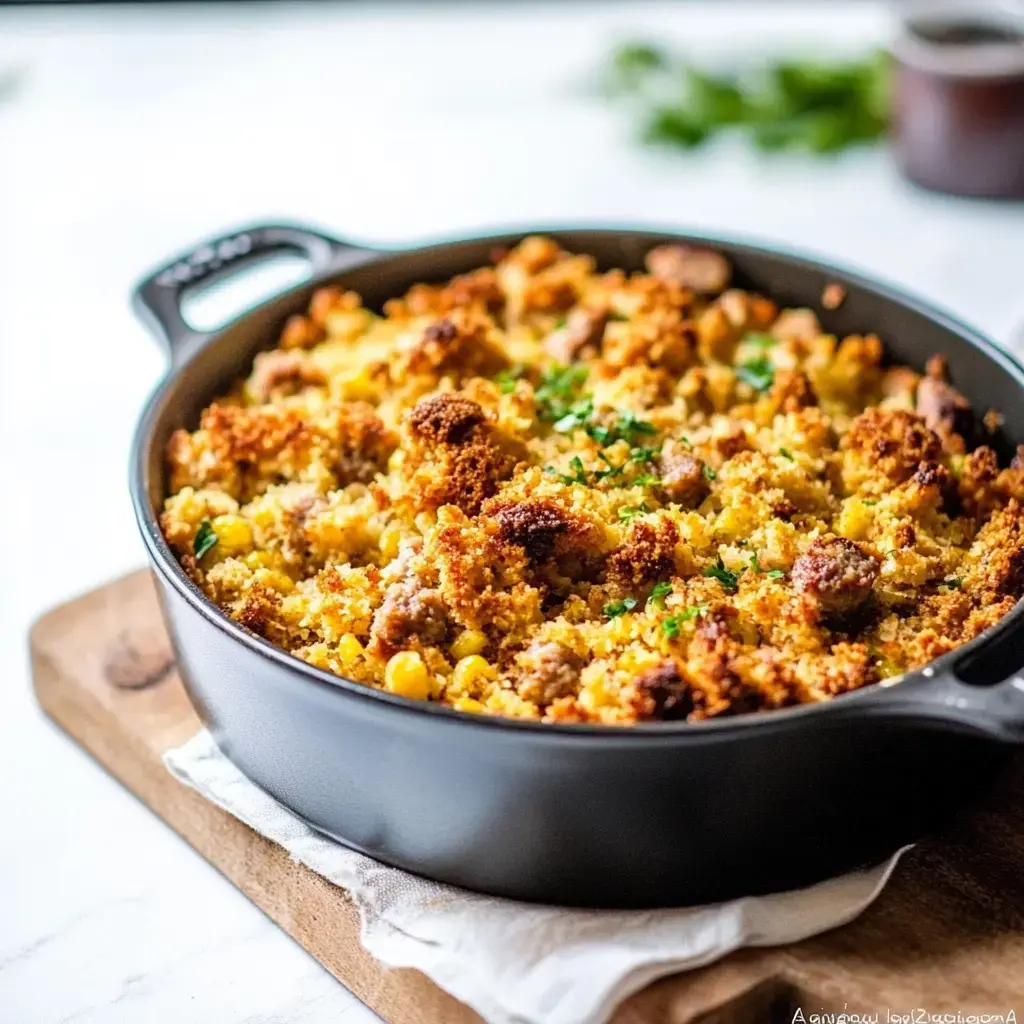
947 935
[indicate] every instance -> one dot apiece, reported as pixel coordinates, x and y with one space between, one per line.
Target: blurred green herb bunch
810 106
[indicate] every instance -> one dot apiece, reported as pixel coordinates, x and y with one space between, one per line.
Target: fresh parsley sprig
759 373
718 571
205 539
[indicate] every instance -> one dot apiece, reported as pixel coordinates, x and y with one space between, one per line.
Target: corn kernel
234 534
470 671
275 580
470 705
390 539
469 641
407 676
855 520
259 560
350 650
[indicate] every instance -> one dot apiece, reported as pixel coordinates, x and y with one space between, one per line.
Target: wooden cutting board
947 934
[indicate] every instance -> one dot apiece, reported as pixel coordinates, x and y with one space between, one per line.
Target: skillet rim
861 700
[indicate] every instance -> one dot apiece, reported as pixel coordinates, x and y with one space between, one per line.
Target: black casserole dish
656 814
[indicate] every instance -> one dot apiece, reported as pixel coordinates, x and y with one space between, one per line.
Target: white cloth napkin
518 963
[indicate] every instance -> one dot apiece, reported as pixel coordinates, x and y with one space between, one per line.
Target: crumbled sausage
791 391
833 296
365 444
700 270
837 572
549 671
683 477
446 419
409 610
580 335
648 554
944 409
301 332
893 442
534 525
661 694
797 325
459 342
281 373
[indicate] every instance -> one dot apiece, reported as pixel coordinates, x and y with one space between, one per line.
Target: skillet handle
157 298
947 703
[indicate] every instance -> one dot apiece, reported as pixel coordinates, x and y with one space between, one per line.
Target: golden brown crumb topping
542 491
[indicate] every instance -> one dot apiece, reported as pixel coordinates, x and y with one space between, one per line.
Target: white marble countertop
133 132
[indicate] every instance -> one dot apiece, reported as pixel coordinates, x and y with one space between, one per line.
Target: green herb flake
616 608
869 501
670 625
629 423
718 571
629 512
577 416
758 373
645 480
786 454
557 391
709 473
205 539
631 64
660 591
758 339
953 583
577 476
772 574
506 379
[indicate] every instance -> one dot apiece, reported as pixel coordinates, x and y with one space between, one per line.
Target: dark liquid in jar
965 33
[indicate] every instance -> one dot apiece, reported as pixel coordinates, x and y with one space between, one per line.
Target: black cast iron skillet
654 815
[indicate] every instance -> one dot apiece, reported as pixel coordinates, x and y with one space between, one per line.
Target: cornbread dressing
547 492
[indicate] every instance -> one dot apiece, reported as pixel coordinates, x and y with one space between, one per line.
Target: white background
131 133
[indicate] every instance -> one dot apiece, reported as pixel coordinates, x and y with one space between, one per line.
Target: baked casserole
543 491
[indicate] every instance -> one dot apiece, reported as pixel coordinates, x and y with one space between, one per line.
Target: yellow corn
469 641
407 676
349 649
390 538
234 534
471 671
275 580
470 705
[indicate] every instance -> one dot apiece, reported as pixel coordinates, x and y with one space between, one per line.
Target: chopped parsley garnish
557 391
578 475
645 480
758 373
718 571
760 340
953 583
205 538
685 440
869 501
506 379
709 472
577 415
772 574
629 512
786 454
630 423
670 626
614 608
660 591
